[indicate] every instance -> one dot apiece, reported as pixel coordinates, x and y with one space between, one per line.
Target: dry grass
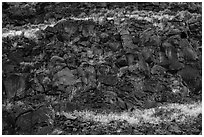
165 113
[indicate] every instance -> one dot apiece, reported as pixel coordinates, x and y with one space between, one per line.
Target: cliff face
133 56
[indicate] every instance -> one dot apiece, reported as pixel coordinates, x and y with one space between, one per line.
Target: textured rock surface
104 56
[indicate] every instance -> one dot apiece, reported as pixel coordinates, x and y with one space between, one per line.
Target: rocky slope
113 58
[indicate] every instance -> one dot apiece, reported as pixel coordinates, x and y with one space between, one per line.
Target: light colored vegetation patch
30 31
188 109
166 113
106 117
